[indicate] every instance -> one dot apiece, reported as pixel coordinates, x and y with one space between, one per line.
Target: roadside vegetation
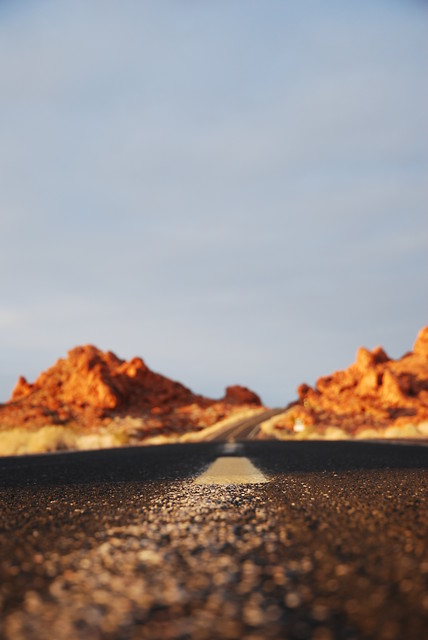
286 426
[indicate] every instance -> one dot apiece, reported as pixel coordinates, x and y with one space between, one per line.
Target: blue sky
235 191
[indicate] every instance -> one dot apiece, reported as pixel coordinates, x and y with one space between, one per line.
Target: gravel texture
333 546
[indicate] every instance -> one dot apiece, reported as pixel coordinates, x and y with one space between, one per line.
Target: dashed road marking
231 447
231 470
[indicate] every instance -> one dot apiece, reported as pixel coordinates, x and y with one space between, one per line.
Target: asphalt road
245 429
124 544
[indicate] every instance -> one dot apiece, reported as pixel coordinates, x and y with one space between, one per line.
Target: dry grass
52 438
121 432
412 431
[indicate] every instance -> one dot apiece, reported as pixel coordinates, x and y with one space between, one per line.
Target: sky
236 191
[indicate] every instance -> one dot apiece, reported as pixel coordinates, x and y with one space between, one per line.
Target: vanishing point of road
245 429
255 540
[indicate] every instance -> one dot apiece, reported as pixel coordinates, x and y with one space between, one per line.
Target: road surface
319 540
245 429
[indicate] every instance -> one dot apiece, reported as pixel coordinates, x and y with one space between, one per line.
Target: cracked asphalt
124 544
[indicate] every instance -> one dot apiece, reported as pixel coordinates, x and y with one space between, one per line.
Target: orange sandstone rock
22 389
91 387
420 347
373 393
241 395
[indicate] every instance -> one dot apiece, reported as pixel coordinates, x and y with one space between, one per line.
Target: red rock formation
241 395
375 392
420 347
90 378
90 387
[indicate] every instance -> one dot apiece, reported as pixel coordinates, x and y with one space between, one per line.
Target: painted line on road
231 447
253 432
231 470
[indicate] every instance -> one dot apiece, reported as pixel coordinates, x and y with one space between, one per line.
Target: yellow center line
231 470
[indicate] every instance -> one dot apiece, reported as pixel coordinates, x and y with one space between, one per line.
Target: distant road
245 429
328 540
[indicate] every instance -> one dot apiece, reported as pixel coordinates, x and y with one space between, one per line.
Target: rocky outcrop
91 388
374 393
420 347
241 395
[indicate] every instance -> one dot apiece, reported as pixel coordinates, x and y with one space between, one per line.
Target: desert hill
92 398
90 389
375 396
